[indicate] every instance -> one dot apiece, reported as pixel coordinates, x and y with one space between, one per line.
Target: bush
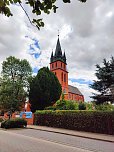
105 107
2 113
82 106
14 123
90 121
90 106
64 105
1 119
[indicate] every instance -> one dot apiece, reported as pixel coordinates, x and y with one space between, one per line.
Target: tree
105 83
14 83
16 70
38 6
45 90
12 96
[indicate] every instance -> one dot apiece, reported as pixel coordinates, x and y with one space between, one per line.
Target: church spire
58 51
51 59
64 56
52 54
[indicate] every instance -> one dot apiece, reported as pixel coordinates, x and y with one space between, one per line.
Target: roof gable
74 90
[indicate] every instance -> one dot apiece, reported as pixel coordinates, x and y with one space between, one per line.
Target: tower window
62 76
64 91
52 66
61 65
56 64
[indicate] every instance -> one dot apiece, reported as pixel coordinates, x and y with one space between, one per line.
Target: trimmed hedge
90 121
14 123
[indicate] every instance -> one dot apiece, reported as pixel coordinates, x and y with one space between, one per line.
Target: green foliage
38 7
82 106
90 106
15 76
105 83
90 121
1 112
45 89
1 119
14 123
104 107
16 70
64 105
73 105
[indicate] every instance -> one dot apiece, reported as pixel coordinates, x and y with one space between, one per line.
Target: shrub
105 107
90 121
90 106
2 113
1 119
63 105
14 123
82 106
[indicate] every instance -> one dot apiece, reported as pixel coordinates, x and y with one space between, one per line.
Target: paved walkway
102 137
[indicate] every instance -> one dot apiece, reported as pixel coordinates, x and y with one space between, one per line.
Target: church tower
58 67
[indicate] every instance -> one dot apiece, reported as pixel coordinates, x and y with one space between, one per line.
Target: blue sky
81 81
34 48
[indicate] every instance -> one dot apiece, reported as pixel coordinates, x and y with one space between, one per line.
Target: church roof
74 90
58 53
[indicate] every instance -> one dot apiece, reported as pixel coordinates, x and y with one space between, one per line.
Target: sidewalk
102 137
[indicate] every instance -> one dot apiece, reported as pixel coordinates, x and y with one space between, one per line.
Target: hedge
90 121
14 123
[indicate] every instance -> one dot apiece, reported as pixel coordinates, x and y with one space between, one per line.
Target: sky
86 35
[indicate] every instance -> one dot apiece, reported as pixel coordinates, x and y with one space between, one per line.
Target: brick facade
58 66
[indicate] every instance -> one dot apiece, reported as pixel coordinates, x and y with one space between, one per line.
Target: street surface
29 140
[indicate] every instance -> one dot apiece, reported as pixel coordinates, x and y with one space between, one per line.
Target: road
28 140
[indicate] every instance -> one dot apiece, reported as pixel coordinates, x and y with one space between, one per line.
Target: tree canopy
105 83
14 83
38 6
45 89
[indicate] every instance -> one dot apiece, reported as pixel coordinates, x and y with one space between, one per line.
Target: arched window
61 65
55 73
52 65
62 76
56 64
64 66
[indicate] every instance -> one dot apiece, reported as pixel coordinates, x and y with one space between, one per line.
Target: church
58 66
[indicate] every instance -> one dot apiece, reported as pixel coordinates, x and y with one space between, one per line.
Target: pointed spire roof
58 51
52 54
64 56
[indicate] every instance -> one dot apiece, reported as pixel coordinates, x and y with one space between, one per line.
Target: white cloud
86 35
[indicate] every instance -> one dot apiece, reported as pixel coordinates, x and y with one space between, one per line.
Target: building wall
59 69
75 97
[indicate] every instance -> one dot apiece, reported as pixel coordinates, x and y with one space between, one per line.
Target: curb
105 140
